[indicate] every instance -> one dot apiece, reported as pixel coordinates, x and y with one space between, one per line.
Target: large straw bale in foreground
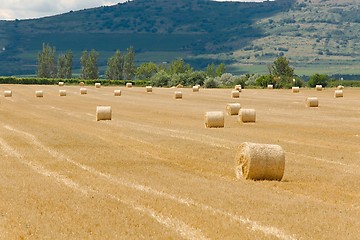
62 93
339 93
233 108
7 93
39 93
312 102
214 119
235 94
103 113
260 161
247 115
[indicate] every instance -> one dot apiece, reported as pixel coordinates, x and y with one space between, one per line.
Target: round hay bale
98 85
340 87
179 86
214 119
61 84
81 84
233 108
39 93
148 89
7 93
62 93
312 102
117 93
270 86
103 113
256 161
319 87
178 95
247 115
196 88
129 85
83 91
339 93
295 89
235 94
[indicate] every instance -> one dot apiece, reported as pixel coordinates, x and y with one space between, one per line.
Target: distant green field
301 69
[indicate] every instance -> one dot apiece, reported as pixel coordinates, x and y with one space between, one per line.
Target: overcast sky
24 9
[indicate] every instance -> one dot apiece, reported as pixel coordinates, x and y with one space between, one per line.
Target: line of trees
119 67
122 67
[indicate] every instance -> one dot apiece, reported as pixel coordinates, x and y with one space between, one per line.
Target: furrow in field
252 225
181 228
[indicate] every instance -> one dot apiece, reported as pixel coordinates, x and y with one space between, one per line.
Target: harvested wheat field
155 172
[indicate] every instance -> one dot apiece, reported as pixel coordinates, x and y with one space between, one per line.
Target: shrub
265 80
227 79
160 79
211 83
318 79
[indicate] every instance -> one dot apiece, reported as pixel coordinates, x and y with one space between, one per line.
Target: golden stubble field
155 172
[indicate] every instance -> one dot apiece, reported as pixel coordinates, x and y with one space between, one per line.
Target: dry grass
155 172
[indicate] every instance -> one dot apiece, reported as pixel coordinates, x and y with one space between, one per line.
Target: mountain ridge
200 31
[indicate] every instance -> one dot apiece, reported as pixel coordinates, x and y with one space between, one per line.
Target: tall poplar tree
65 63
46 62
115 66
129 65
89 65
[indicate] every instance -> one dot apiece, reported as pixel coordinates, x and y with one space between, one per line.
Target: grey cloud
23 9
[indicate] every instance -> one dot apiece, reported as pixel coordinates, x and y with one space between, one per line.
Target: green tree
282 69
282 73
211 83
89 67
265 80
227 79
65 63
196 77
220 70
161 79
46 62
211 70
318 79
178 66
115 65
129 65
146 70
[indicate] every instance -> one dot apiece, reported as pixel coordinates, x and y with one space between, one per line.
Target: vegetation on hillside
318 36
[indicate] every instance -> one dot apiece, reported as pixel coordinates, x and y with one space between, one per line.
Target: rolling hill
246 36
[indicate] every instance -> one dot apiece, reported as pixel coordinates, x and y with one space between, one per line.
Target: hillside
316 35
245 35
